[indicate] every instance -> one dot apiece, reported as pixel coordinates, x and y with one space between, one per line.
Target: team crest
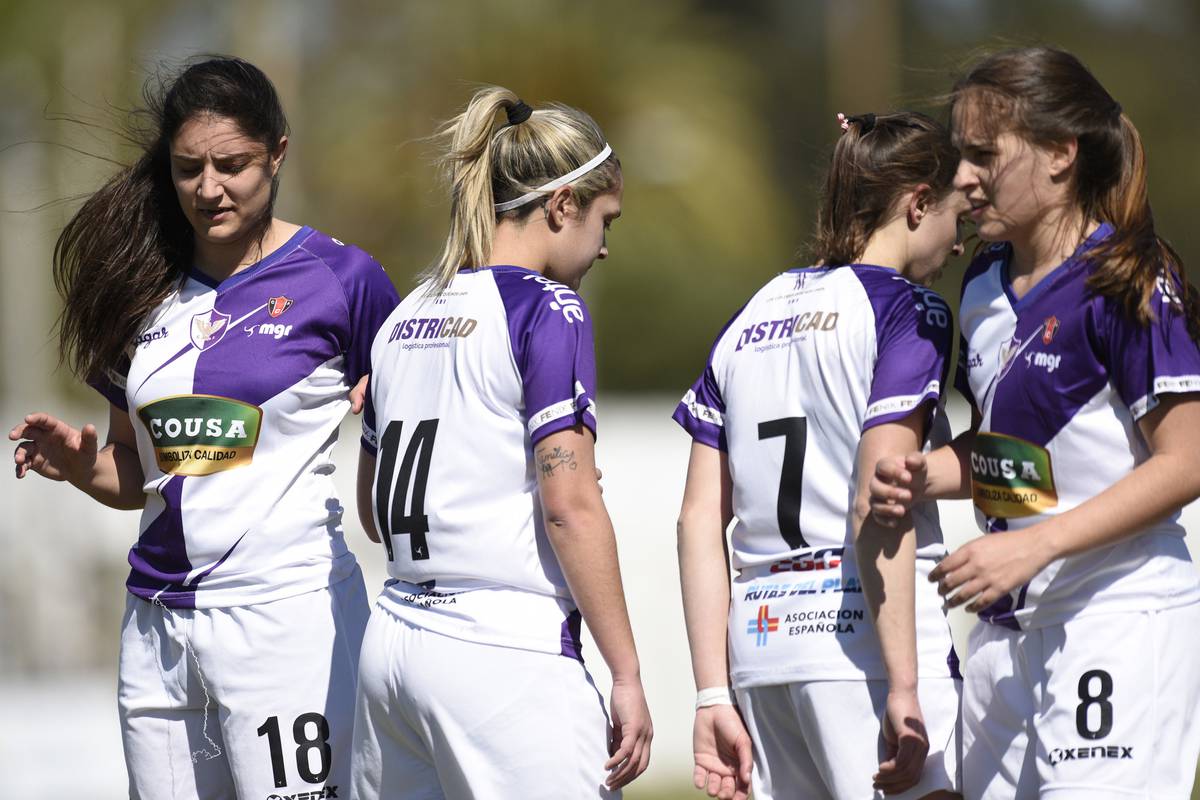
278 305
1049 328
208 328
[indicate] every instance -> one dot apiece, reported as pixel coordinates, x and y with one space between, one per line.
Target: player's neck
220 260
886 247
520 246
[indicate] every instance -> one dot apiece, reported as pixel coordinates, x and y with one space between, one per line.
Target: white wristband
715 696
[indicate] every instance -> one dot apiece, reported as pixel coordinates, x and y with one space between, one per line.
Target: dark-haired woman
226 341
1081 364
836 648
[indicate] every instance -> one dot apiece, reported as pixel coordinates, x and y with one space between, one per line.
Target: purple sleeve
1148 361
912 334
370 298
551 334
701 412
111 383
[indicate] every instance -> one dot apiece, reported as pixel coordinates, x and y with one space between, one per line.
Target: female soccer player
481 418
227 341
1081 364
824 370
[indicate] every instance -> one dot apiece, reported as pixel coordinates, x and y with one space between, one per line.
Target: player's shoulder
532 297
345 261
987 262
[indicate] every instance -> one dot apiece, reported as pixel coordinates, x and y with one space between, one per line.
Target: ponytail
1134 259
490 159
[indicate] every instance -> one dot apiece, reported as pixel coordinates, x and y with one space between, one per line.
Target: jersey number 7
393 521
794 431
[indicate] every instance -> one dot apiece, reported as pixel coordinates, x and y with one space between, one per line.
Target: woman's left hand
985 569
358 395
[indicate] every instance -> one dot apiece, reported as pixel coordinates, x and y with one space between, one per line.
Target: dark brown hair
877 159
129 245
1047 95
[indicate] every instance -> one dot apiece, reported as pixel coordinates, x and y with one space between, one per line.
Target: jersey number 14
390 503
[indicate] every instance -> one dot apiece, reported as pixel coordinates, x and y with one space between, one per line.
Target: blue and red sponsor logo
761 625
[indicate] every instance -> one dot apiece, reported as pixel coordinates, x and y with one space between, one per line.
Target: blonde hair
488 160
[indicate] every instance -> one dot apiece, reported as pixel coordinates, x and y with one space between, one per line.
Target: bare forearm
586 547
887 568
1163 484
948 476
115 479
704 577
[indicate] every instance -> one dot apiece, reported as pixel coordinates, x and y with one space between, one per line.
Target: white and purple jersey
1060 378
814 359
235 390
464 384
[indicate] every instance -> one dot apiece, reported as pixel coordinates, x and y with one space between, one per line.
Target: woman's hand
722 752
631 735
53 449
897 485
985 569
906 744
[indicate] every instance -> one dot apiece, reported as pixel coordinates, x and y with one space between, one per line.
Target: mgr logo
761 625
198 434
1011 477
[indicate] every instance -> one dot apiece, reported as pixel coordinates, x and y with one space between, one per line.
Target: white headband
574 174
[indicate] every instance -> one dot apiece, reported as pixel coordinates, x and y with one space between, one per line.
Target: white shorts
1102 706
439 717
252 702
822 739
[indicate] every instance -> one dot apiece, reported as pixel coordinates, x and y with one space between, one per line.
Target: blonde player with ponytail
479 432
1080 360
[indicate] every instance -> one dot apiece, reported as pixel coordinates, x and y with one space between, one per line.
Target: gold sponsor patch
201 434
1011 477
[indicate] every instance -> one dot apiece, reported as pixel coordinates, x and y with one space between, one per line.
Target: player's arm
111 474
364 493
581 533
886 559
898 481
986 568
720 743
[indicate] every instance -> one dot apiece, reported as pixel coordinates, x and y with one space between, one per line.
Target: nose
209 189
964 177
958 249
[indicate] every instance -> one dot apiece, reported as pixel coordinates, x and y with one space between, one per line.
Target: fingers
358 395
745 756
89 440
23 458
629 760
903 770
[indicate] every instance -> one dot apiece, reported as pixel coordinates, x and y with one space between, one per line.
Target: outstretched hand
631 734
722 751
53 449
906 744
897 485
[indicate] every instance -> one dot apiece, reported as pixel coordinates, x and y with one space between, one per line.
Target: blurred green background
721 112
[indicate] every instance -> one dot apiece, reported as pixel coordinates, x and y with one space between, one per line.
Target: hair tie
519 113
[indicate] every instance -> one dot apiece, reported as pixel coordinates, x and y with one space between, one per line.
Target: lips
215 214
